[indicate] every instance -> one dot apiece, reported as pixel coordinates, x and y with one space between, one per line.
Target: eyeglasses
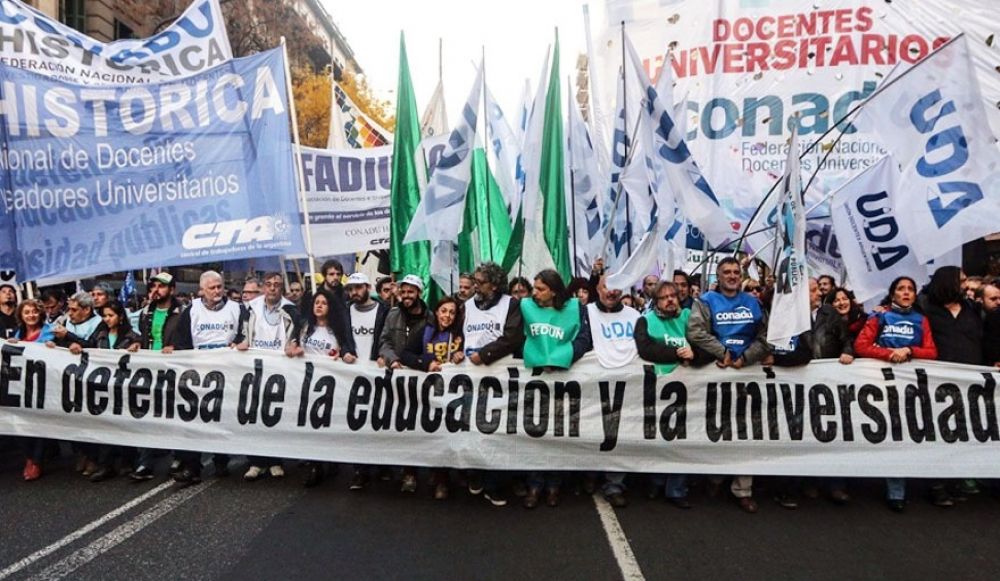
753 289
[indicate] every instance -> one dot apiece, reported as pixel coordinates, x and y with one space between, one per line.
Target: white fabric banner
196 41
921 419
933 121
749 66
873 245
790 309
347 193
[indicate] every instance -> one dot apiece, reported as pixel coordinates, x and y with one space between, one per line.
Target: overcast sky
515 34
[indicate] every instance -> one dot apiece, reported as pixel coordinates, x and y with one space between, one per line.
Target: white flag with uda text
439 215
874 248
790 313
933 121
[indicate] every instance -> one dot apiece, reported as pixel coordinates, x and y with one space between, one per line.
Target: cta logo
235 232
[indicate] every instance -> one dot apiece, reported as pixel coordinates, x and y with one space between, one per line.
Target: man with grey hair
79 322
102 293
211 322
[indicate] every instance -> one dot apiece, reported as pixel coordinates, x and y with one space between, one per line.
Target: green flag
486 231
551 186
405 188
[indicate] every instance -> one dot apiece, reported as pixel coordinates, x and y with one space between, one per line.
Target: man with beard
211 322
493 328
158 323
54 300
367 319
410 315
660 338
8 304
612 329
731 327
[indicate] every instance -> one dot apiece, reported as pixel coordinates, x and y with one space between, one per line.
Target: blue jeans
895 488
614 483
540 480
676 486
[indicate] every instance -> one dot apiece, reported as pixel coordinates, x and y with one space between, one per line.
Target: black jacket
830 338
512 340
101 339
170 326
959 339
991 338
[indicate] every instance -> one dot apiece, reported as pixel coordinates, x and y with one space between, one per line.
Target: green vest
549 334
668 332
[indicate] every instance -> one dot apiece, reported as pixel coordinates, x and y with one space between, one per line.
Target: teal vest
670 332
549 334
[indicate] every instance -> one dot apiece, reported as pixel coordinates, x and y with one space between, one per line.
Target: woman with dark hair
438 343
853 315
556 335
323 330
898 335
115 332
519 287
31 327
580 288
956 323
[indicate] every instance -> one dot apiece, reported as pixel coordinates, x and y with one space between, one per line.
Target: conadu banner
922 419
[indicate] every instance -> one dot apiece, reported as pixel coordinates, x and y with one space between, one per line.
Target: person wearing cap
8 304
102 293
158 329
367 319
409 316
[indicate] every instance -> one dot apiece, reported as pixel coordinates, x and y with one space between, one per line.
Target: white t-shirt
613 335
320 342
363 330
484 327
214 329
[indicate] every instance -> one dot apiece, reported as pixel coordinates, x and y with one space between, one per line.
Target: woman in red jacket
898 335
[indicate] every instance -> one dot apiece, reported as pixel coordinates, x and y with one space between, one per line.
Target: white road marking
121 534
44 552
618 541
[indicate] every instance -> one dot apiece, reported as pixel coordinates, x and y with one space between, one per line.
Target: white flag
874 247
933 122
586 181
790 313
694 196
615 220
439 215
504 153
435 118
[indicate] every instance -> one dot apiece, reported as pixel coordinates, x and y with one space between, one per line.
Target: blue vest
896 330
734 320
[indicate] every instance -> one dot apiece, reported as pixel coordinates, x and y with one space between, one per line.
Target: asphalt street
63 526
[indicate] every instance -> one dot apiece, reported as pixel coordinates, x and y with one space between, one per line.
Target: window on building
123 30
73 14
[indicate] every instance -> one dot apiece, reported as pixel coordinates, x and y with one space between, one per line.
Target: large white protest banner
748 67
917 419
347 194
194 42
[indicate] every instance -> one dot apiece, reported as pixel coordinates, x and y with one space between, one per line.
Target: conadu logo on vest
900 330
483 327
224 326
737 316
545 329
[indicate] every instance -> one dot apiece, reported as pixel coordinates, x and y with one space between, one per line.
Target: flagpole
572 179
889 82
298 167
628 206
488 144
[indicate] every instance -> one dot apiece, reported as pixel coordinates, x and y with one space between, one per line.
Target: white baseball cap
413 280
358 278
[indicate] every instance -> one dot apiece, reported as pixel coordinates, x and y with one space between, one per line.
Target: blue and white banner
347 196
107 179
194 42
439 214
934 123
875 249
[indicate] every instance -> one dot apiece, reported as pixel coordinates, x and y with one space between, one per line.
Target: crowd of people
546 322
